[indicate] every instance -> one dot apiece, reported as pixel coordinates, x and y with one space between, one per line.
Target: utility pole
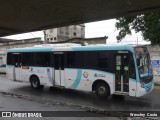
45 35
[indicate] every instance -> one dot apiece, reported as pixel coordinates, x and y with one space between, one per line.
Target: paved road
14 98
11 103
149 102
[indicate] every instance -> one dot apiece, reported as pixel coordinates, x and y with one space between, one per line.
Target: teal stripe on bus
105 47
77 48
78 79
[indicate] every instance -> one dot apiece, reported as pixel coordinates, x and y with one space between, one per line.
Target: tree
148 24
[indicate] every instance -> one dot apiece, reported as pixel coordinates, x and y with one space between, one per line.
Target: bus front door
122 73
59 70
17 66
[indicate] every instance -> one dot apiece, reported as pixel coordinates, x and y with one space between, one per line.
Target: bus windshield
143 62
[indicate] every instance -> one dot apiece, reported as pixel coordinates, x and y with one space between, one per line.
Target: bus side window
91 59
80 59
42 59
70 60
103 59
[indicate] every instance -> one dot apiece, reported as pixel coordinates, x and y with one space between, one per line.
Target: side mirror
138 62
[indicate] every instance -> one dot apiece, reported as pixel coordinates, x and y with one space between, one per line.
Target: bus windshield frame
143 62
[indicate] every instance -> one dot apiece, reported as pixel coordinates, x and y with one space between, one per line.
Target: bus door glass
17 66
59 69
122 73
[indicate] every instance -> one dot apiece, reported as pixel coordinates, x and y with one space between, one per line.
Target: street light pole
45 35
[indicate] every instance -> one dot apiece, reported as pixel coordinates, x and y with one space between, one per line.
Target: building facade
6 44
85 41
64 33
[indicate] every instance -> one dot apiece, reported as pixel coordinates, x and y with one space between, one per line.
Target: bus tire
102 90
35 82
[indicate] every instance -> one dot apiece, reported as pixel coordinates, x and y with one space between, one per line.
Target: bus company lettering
99 75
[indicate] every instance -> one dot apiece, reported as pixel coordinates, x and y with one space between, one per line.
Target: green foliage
157 84
148 24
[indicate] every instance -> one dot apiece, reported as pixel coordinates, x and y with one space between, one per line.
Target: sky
95 29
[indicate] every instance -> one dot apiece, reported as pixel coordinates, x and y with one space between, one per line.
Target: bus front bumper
147 89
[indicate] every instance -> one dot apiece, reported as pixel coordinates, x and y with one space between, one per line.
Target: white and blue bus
103 69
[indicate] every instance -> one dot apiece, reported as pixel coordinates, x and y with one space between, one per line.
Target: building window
55 38
51 39
75 34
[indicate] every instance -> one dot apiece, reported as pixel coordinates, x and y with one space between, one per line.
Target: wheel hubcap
102 90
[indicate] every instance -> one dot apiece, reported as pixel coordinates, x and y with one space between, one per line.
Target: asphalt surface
13 103
13 98
74 100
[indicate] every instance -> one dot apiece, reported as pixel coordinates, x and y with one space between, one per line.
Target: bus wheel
35 82
102 90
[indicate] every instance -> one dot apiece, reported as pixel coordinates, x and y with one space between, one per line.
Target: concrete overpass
19 16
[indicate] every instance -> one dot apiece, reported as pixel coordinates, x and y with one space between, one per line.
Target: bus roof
74 48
